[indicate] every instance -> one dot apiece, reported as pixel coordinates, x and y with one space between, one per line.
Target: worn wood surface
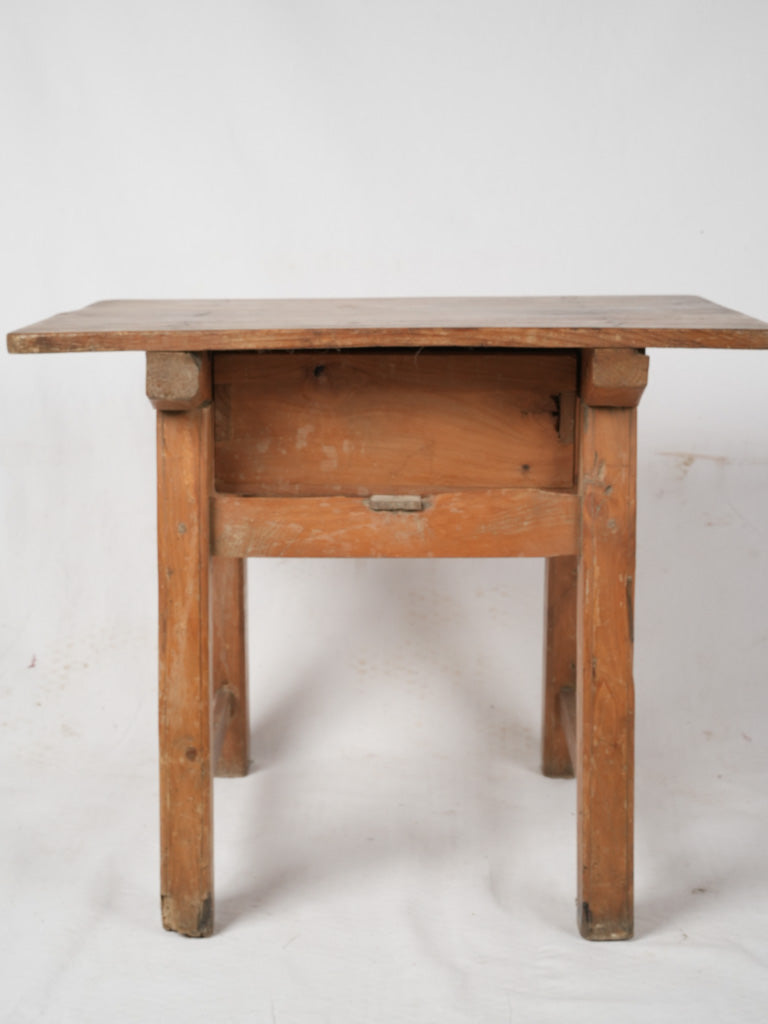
640 321
559 662
184 448
568 720
223 712
390 453
475 524
393 422
178 380
613 377
230 661
605 688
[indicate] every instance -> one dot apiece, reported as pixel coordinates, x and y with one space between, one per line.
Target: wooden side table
397 428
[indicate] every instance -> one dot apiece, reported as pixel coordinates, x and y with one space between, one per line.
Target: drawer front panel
404 421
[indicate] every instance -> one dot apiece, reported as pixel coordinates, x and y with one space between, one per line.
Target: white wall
256 149
329 148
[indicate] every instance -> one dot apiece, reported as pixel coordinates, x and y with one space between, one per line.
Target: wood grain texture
184 448
393 422
475 524
178 380
605 688
643 321
615 378
223 712
568 720
559 662
230 661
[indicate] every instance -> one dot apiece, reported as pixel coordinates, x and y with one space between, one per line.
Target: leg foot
193 920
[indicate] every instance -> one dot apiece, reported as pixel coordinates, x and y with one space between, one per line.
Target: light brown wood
230 662
568 719
223 712
397 428
184 478
605 688
559 662
178 380
393 422
475 524
640 321
615 378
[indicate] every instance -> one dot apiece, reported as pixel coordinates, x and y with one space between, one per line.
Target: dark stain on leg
205 919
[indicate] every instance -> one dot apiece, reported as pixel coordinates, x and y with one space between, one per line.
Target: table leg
230 662
559 662
186 794
605 691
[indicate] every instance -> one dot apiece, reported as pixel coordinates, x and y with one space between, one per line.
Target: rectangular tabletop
645 321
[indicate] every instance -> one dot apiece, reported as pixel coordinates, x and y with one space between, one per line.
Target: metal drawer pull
396 503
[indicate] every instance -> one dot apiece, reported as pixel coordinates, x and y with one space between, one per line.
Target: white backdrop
396 856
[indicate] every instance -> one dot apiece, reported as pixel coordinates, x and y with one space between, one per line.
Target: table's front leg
184 474
611 387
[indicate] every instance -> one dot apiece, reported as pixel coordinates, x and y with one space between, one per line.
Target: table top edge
498 322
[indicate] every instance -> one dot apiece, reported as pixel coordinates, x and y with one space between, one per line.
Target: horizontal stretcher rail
464 524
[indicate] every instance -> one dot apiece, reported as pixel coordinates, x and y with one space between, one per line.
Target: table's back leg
559 662
184 460
611 384
230 662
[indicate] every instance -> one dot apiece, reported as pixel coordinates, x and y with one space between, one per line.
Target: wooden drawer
404 421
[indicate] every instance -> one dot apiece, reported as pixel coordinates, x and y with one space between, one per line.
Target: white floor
395 854
395 857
